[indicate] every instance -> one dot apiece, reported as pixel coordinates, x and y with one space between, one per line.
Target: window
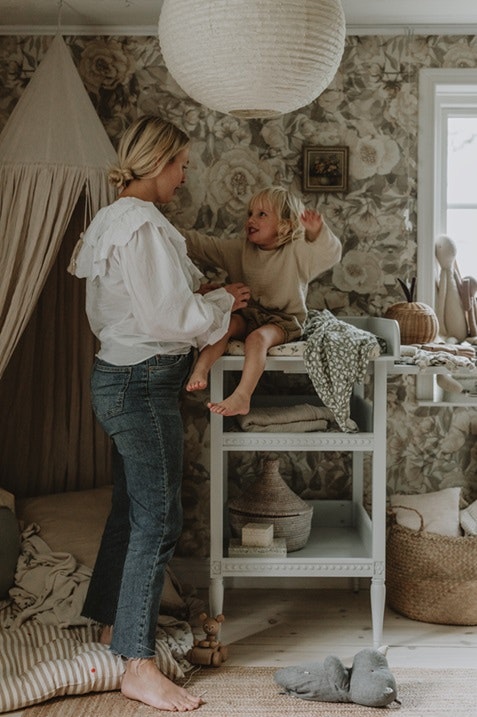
461 200
447 167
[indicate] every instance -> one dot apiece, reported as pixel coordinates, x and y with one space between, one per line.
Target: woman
144 305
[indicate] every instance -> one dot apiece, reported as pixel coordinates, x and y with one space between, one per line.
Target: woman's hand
205 288
241 294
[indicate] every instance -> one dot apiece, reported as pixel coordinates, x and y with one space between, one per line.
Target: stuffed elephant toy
367 682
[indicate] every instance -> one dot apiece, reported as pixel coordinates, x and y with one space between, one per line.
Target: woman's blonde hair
145 148
288 209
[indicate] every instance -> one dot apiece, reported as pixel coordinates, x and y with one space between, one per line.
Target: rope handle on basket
392 513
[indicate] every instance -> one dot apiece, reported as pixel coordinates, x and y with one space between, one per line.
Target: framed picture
325 169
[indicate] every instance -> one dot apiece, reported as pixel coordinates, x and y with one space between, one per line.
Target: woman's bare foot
197 380
235 405
106 635
144 682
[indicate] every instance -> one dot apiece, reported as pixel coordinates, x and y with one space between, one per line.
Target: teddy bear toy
367 682
208 650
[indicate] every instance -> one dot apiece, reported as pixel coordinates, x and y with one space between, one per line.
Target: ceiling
139 17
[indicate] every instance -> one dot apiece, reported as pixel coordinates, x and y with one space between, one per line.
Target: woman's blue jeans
138 407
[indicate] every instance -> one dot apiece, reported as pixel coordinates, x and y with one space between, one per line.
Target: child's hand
312 221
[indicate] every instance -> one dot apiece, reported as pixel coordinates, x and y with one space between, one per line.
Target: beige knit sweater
278 279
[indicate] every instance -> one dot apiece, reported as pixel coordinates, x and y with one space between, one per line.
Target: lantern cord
58 21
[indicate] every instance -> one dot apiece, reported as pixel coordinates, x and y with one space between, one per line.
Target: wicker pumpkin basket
418 322
431 577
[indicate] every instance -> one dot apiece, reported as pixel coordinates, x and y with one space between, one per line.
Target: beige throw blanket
48 586
292 419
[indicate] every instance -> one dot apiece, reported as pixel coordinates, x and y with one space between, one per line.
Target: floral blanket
336 356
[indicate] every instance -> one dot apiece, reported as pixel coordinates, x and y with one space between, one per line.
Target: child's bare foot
144 682
197 381
235 405
106 635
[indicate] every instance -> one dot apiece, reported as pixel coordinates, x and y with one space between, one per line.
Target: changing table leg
378 599
378 587
216 596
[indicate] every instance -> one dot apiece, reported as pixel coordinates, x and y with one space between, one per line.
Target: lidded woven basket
270 500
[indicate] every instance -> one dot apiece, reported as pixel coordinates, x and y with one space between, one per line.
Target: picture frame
325 169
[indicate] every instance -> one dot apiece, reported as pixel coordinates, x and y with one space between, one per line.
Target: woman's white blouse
140 298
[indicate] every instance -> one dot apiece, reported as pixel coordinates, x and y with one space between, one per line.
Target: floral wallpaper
370 107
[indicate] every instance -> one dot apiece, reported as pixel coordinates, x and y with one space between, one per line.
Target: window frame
443 92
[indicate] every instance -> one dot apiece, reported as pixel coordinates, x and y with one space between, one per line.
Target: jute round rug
252 692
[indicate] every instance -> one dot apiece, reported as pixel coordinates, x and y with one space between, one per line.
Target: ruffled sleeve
112 227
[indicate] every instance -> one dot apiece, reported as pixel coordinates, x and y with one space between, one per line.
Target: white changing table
345 541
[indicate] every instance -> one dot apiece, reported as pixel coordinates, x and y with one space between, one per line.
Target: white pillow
439 511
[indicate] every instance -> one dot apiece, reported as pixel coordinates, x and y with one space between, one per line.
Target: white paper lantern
252 58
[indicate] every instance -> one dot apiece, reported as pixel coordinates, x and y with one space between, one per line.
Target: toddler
286 247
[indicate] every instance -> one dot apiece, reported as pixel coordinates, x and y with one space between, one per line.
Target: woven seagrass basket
270 500
431 577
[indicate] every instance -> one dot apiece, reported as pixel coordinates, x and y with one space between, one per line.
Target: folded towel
412 355
279 419
455 349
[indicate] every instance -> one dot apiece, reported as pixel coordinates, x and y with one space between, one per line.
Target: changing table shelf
339 546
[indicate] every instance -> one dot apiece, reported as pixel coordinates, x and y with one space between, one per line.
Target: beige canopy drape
54 151
52 147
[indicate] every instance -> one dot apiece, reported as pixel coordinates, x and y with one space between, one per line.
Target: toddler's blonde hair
288 208
145 148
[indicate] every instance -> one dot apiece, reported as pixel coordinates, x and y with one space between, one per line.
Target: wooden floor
278 627
281 627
